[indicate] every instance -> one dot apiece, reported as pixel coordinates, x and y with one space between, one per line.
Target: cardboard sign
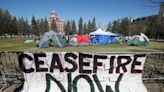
82 72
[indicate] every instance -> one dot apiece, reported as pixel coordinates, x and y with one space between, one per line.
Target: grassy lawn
16 44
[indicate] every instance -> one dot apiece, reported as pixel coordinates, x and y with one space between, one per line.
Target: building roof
53 12
145 18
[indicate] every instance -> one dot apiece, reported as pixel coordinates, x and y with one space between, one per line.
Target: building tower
53 16
161 11
59 23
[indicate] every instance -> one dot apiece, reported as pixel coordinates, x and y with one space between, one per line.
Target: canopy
99 32
101 37
111 34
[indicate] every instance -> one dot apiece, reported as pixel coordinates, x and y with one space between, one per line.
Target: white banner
82 72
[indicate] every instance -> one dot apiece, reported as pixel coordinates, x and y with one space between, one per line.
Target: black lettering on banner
56 63
111 65
69 82
82 63
21 64
87 79
96 63
117 84
56 59
98 83
108 88
74 64
48 83
123 65
135 62
39 62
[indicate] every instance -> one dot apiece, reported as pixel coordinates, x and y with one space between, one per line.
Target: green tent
139 40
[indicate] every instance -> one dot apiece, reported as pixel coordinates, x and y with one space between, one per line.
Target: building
59 23
142 24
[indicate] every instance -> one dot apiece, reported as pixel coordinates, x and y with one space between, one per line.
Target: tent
101 37
112 37
51 38
139 40
79 40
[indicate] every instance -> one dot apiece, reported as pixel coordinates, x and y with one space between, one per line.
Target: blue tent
101 37
112 37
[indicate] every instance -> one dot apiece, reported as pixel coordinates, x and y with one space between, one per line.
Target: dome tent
139 40
101 37
51 38
79 40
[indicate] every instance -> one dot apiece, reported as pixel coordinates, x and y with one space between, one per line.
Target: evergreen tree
23 26
124 26
45 24
40 26
73 27
85 28
115 26
67 28
20 26
109 27
27 28
54 26
93 25
7 22
34 26
81 29
1 22
14 28
89 27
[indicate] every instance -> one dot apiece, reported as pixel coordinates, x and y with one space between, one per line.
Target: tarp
101 37
28 41
51 38
79 40
82 72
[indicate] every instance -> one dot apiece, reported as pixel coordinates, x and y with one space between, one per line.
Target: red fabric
81 38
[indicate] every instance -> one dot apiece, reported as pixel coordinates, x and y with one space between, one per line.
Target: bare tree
152 3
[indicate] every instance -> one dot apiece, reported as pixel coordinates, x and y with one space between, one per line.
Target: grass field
16 44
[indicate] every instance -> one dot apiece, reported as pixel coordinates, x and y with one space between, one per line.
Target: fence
9 70
10 73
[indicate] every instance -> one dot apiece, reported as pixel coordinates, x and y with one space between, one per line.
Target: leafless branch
152 3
